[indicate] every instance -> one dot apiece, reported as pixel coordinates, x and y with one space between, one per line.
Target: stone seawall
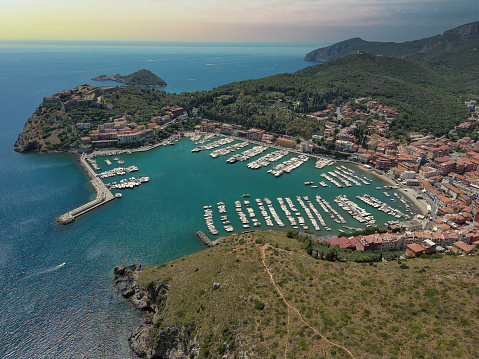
206 241
102 195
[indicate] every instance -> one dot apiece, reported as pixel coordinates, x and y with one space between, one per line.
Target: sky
284 21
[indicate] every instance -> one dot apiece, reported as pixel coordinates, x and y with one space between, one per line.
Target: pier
102 195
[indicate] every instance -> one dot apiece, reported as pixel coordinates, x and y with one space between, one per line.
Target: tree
332 254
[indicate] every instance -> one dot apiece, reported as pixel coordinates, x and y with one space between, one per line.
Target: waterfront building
383 164
346 146
255 134
286 142
267 138
306 147
226 129
129 137
240 133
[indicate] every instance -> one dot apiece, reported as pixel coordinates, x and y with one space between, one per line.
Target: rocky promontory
150 339
142 78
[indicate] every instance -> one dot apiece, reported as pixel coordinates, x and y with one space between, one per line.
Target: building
306 147
129 137
461 247
255 134
451 190
267 138
286 142
226 129
416 249
174 110
83 125
346 146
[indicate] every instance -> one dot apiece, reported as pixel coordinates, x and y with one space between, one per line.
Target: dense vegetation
273 301
143 78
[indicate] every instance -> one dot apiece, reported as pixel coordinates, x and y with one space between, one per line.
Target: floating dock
102 195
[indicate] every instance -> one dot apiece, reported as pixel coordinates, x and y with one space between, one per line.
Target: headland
261 294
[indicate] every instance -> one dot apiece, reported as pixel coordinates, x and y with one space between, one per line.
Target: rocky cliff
150 340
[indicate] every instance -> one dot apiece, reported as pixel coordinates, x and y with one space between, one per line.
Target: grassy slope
315 309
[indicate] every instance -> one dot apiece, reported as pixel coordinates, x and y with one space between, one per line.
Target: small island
141 78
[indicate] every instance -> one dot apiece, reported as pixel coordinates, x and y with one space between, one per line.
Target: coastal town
440 175
237 184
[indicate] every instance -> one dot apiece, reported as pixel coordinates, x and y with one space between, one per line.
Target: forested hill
427 94
454 39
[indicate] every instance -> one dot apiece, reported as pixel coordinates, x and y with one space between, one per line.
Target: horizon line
165 42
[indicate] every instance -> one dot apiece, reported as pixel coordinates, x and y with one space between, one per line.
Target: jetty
206 241
102 195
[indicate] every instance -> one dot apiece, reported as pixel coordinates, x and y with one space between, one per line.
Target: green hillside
272 300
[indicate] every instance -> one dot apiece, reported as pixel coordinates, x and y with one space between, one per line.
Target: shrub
258 304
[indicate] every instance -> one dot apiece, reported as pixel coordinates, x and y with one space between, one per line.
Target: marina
296 211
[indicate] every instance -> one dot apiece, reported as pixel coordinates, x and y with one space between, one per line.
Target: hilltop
451 40
141 78
260 293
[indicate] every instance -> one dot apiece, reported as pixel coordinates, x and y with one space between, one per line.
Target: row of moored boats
380 205
119 171
357 212
128 183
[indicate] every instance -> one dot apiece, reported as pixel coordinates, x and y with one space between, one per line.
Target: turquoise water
47 311
183 182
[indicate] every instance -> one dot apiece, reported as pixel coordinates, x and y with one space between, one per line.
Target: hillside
141 78
451 40
261 294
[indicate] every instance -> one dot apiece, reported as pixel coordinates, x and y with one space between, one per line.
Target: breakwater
102 195
206 241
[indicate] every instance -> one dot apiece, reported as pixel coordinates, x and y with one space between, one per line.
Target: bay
48 311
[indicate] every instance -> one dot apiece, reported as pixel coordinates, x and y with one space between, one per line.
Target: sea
72 311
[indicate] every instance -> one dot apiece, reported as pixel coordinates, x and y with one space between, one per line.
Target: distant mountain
142 78
455 39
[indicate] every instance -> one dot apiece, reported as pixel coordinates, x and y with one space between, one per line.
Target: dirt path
293 308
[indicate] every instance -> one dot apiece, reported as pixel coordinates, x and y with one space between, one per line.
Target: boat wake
48 270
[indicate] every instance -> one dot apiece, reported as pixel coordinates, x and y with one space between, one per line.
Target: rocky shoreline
150 339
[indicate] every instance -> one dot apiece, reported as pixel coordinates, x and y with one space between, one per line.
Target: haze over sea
48 311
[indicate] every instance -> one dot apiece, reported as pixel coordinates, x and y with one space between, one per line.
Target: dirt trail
263 258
